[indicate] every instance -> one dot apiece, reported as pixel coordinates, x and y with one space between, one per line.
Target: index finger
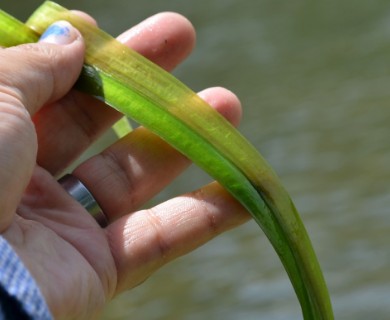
77 120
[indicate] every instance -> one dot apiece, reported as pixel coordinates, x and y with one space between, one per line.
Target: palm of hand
63 247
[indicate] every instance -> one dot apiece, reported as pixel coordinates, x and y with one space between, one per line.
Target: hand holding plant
139 89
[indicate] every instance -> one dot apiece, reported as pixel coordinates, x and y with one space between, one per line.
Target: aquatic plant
157 100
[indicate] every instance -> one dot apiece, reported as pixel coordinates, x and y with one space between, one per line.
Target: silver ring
81 194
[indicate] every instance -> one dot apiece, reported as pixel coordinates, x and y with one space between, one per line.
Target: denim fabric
20 297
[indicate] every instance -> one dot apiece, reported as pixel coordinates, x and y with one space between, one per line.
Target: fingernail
60 32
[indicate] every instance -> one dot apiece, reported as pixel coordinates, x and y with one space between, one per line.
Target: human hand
45 126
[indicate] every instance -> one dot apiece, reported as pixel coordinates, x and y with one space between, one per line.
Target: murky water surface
314 79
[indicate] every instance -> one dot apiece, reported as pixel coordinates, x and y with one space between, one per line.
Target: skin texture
45 126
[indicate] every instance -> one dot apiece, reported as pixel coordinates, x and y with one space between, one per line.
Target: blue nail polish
58 33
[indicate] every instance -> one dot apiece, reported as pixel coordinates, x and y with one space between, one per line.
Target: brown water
314 79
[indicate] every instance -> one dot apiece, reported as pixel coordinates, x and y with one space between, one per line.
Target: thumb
40 73
30 76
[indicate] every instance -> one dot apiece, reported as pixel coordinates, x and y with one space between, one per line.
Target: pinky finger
144 241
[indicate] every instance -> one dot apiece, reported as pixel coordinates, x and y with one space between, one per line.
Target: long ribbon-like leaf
154 98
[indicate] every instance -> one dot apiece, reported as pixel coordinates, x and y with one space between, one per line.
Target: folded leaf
146 93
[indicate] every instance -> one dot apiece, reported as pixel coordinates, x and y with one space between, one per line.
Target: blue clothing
20 297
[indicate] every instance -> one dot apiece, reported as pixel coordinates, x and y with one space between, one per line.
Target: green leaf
122 127
13 32
154 98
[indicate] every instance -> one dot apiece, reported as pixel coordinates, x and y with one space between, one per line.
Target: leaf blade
160 102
